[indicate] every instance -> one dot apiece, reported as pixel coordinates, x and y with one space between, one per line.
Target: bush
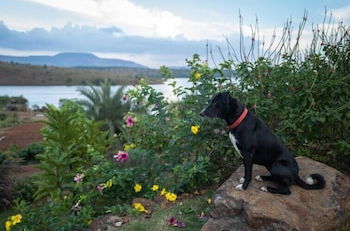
4 100
72 142
25 189
191 159
29 153
7 121
3 116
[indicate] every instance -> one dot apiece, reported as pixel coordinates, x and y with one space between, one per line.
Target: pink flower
79 177
125 98
129 121
100 188
122 156
172 221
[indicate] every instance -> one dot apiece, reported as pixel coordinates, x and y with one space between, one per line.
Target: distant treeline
136 72
20 74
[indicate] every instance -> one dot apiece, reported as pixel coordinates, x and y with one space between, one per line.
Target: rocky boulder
254 209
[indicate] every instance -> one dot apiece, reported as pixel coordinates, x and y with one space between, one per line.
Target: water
40 95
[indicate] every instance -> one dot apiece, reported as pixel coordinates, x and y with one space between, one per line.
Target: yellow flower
197 75
16 219
163 192
139 207
127 147
209 200
89 222
171 196
8 225
195 129
108 184
137 188
155 187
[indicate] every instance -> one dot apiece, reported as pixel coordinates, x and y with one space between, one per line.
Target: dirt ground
24 134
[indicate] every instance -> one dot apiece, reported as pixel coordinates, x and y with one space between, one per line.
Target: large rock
254 209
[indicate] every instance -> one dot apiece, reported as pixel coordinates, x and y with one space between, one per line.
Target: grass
4 215
186 211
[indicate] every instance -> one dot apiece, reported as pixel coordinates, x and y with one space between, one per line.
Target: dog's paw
263 188
241 180
258 178
239 187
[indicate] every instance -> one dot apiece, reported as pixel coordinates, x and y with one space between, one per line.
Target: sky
149 32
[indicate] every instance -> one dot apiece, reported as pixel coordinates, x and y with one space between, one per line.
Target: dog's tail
309 184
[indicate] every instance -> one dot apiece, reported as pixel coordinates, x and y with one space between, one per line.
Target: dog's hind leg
281 175
284 190
263 178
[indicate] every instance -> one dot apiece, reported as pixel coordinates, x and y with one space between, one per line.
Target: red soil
21 135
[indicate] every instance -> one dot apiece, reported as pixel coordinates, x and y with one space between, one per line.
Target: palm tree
101 105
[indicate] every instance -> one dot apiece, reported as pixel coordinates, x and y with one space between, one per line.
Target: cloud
342 13
106 42
92 39
136 20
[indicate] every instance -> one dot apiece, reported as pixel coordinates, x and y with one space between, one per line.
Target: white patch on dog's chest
234 142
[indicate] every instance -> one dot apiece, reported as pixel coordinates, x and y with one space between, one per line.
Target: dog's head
219 106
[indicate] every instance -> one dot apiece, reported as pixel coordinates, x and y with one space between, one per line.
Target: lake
40 95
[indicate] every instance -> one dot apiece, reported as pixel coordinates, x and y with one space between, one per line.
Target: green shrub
3 116
72 142
25 189
29 153
191 160
8 121
53 216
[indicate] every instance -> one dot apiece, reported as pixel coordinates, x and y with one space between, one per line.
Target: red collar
239 120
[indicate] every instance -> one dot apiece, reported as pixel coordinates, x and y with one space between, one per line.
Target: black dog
256 144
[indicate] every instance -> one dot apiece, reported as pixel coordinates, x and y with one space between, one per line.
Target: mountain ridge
70 59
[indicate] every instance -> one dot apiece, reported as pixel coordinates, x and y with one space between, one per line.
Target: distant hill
70 59
21 74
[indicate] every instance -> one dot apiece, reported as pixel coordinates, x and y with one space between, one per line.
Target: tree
102 105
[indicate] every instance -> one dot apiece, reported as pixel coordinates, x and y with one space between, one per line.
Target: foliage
73 144
8 120
3 116
29 153
25 189
53 216
188 211
69 136
303 97
191 159
5 187
102 105
4 100
7 161
304 101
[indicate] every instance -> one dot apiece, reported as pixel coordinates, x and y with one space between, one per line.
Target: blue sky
150 32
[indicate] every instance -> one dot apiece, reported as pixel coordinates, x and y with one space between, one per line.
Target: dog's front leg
248 165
